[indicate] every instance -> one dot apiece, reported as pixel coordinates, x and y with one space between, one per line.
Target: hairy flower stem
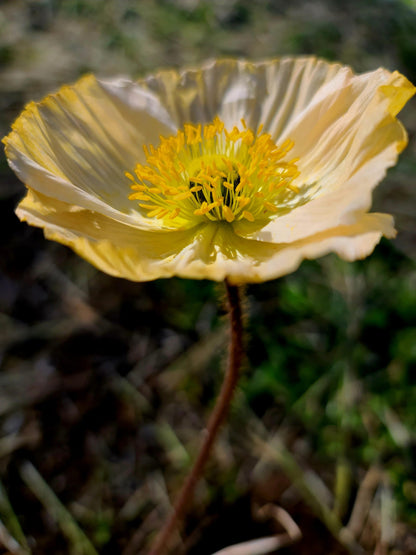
217 418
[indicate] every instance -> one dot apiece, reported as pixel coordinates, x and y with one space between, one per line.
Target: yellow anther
212 205
248 137
155 212
174 213
269 206
170 191
228 163
243 201
202 210
228 213
139 196
248 216
240 186
183 196
148 206
207 177
278 185
137 187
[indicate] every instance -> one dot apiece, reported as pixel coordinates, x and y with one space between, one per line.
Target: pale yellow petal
42 211
77 144
272 92
229 88
209 251
73 149
333 134
113 247
349 159
224 255
343 125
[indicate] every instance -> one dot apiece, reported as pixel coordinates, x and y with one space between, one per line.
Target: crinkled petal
113 247
73 148
277 93
356 142
77 144
343 125
247 261
338 207
209 251
271 92
231 89
349 122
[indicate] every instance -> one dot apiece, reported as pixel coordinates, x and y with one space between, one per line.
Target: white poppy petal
349 160
113 247
77 144
247 261
207 252
228 88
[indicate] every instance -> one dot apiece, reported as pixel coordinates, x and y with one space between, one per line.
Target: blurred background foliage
105 385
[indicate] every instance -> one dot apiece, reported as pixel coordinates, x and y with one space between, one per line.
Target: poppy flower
233 170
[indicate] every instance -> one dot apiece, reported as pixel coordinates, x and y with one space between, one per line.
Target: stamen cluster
210 173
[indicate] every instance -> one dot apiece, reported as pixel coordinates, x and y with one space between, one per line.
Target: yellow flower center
209 173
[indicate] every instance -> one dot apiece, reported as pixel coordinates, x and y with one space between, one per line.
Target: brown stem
216 419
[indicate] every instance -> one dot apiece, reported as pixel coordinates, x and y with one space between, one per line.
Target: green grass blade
79 542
